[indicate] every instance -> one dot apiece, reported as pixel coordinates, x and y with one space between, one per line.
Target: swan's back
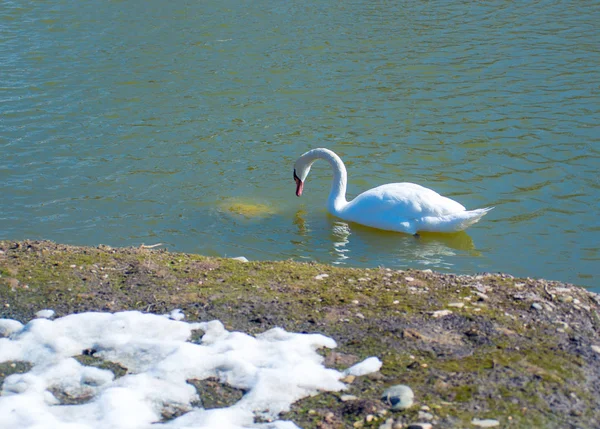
398 202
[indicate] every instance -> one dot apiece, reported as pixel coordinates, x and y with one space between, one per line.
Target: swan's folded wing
402 201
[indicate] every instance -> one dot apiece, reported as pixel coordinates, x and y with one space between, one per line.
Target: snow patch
275 369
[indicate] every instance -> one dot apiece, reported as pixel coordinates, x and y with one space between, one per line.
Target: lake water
178 122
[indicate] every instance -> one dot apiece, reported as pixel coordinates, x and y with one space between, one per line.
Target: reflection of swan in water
340 233
355 244
431 249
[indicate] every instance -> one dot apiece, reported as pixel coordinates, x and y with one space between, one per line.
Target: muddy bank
521 352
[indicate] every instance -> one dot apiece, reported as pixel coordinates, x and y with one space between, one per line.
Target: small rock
355 301
400 397
440 313
360 315
596 349
423 415
482 296
419 426
487 423
340 359
240 258
321 276
425 408
346 398
563 325
565 298
409 279
387 424
369 418
348 379
456 304
396 302
537 306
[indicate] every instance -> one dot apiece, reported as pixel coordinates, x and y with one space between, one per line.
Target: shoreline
520 351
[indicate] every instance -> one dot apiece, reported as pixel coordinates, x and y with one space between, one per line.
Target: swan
401 207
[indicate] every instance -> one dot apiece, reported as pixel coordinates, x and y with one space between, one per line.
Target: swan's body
402 207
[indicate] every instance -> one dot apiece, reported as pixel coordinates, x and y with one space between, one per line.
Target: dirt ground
517 351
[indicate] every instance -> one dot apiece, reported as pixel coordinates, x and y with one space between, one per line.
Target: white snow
46 314
365 367
275 368
176 314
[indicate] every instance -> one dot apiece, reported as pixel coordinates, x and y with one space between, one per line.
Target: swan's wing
402 201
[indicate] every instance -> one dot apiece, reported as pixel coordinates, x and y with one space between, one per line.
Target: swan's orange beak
299 185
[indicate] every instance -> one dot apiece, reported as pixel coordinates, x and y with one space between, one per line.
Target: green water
178 122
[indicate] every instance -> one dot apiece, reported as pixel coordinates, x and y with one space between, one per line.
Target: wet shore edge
476 350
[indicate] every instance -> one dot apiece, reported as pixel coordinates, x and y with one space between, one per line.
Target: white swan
402 207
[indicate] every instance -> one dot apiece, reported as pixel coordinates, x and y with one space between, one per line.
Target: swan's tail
453 222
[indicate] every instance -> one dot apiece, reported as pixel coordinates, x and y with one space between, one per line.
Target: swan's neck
337 196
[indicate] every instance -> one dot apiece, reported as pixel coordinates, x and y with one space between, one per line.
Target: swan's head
301 170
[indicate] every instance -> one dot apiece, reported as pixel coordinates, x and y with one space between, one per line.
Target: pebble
388 424
565 298
400 397
596 349
482 296
355 301
321 276
537 306
440 313
346 398
424 415
487 423
456 304
409 279
348 379
240 258
419 426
